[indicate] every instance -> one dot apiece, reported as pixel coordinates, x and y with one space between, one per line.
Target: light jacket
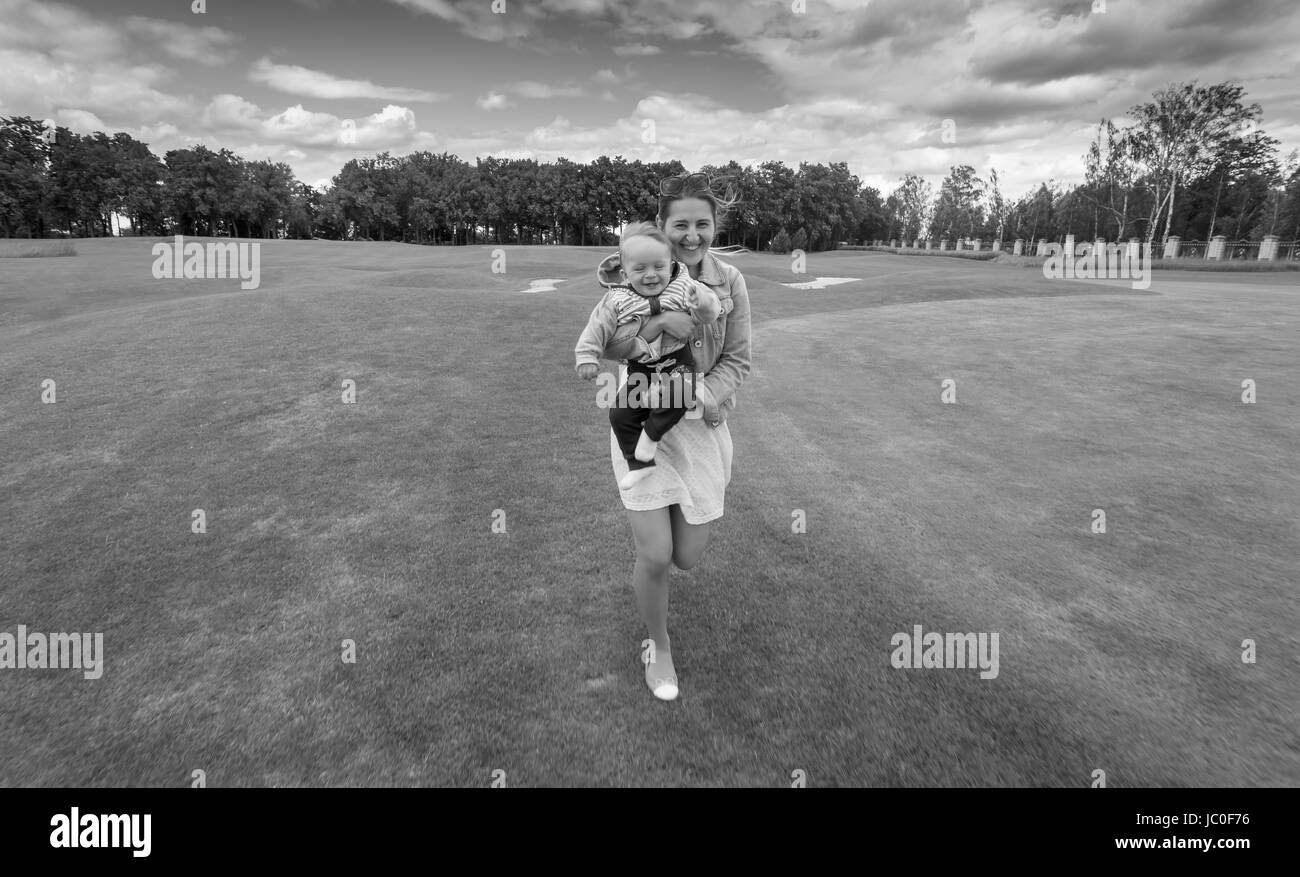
608 316
722 348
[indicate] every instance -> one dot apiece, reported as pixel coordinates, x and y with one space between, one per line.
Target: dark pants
676 368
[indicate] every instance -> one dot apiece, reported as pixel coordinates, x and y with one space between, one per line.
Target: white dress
692 469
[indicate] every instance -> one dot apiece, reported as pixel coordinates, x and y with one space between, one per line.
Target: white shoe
645 448
634 477
663 685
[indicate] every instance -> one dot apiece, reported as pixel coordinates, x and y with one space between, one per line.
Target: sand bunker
821 282
542 285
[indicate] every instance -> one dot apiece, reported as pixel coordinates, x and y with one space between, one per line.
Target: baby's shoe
645 448
633 477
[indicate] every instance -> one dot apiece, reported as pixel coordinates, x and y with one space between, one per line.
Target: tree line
58 182
1193 161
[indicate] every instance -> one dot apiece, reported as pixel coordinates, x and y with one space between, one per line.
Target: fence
970 245
1270 249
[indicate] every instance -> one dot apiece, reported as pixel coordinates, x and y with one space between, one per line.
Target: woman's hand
587 371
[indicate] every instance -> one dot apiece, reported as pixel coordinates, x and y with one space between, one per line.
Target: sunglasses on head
677 185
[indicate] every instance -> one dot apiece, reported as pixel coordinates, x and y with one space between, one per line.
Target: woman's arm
732 367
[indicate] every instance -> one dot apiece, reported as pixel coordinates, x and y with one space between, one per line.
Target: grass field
480 651
26 248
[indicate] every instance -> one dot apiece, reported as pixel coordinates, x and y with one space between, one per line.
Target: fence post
1042 246
928 242
1215 250
1171 246
943 244
1069 246
1268 248
997 246
1019 247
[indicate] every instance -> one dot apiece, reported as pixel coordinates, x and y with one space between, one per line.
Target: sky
314 83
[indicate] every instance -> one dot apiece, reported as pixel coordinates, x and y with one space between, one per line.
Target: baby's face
647 265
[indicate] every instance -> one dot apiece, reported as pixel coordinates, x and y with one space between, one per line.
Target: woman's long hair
719 207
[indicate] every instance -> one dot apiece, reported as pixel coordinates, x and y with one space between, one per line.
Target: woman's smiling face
689 225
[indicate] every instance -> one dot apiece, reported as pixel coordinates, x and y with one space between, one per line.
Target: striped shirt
630 304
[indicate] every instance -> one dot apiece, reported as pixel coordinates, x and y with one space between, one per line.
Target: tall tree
915 199
139 195
24 158
1109 171
1179 135
957 210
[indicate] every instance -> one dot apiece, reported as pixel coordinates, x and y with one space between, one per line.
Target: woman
672 511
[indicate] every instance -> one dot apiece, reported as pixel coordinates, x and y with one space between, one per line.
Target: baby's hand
707 307
588 371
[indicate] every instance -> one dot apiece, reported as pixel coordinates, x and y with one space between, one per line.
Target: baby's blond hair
644 229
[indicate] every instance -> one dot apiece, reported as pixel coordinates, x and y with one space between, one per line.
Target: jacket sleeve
718 386
600 328
627 344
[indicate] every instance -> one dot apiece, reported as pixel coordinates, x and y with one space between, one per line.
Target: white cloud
231 112
837 129
543 91
635 50
61 32
865 83
583 8
392 127
299 133
80 121
477 20
58 58
206 45
292 79
493 100
35 84
161 133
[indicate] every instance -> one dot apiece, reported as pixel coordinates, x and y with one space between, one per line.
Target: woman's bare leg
653 534
688 540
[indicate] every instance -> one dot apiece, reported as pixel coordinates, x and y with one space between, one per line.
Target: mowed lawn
519 651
